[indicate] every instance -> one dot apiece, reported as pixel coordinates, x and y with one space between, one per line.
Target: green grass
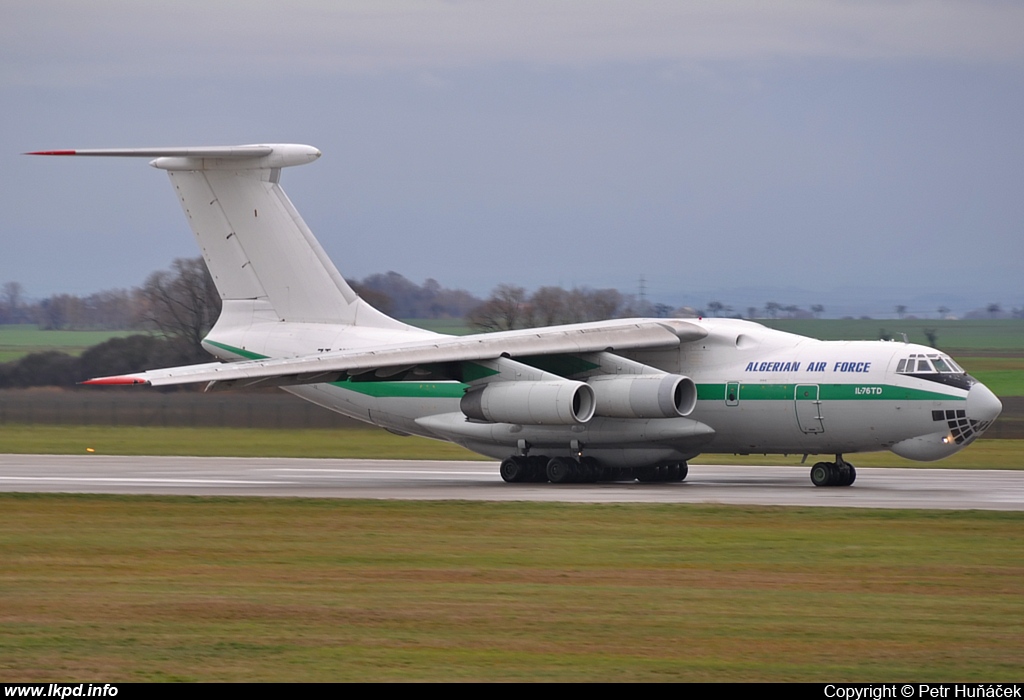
107 588
450 326
372 443
16 341
983 454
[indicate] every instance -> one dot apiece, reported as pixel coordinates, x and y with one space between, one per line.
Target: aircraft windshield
932 363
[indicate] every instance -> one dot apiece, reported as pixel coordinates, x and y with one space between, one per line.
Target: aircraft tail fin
259 251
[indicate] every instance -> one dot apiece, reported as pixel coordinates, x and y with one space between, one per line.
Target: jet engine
644 395
560 402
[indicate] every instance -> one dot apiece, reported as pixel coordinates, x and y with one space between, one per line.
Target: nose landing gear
838 473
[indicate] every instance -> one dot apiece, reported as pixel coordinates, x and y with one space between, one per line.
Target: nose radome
982 404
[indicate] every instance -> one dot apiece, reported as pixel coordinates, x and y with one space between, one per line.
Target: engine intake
534 403
644 395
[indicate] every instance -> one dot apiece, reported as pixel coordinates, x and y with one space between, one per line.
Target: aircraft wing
388 360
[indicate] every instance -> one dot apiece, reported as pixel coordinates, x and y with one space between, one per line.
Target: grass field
374 443
19 340
145 588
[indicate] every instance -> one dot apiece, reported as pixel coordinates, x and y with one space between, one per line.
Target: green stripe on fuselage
827 392
432 390
408 390
236 351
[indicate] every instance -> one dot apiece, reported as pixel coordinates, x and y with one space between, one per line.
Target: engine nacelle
644 395
560 402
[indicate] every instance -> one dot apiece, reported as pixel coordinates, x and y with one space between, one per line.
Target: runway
479 481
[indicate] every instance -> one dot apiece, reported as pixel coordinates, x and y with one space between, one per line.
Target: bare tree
505 310
11 305
182 302
549 306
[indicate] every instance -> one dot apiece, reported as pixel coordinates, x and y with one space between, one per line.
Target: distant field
19 340
108 588
451 326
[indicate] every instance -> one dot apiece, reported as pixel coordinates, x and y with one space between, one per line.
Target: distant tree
993 310
10 302
549 306
772 308
661 310
901 310
505 310
182 303
715 307
943 311
58 312
817 310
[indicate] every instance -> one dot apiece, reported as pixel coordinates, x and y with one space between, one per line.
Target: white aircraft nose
982 404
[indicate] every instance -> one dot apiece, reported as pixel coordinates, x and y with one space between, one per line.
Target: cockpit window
932 363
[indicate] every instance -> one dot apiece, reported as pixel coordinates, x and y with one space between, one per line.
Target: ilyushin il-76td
613 400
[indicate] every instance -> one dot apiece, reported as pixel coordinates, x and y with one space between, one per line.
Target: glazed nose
982 404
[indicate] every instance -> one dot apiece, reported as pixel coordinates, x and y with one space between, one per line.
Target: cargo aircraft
612 400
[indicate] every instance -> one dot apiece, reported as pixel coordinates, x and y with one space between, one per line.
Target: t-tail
266 263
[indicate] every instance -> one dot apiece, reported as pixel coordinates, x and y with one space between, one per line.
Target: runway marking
140 480
384 470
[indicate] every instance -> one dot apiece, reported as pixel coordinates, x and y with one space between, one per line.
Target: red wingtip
50 153
114 381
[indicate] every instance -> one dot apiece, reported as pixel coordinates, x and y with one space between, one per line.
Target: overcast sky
863 153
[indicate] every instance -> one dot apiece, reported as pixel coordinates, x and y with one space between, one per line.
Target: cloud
66 41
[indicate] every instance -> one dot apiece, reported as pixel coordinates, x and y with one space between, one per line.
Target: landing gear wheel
538 470
646 475
683 471
514 470
561 470
821 474
853 475
589 471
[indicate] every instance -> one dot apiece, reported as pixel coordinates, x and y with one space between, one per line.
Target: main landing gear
837 473
585 470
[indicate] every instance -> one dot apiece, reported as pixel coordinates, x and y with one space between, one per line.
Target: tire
513 470
538 470
853 475
684 469
646 475
821 474
561 470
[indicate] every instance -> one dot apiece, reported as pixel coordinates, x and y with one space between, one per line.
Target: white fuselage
759 391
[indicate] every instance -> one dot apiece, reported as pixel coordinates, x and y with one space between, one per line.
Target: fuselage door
732 394
808 408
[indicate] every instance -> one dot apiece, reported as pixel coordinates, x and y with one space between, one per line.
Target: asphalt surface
479 481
